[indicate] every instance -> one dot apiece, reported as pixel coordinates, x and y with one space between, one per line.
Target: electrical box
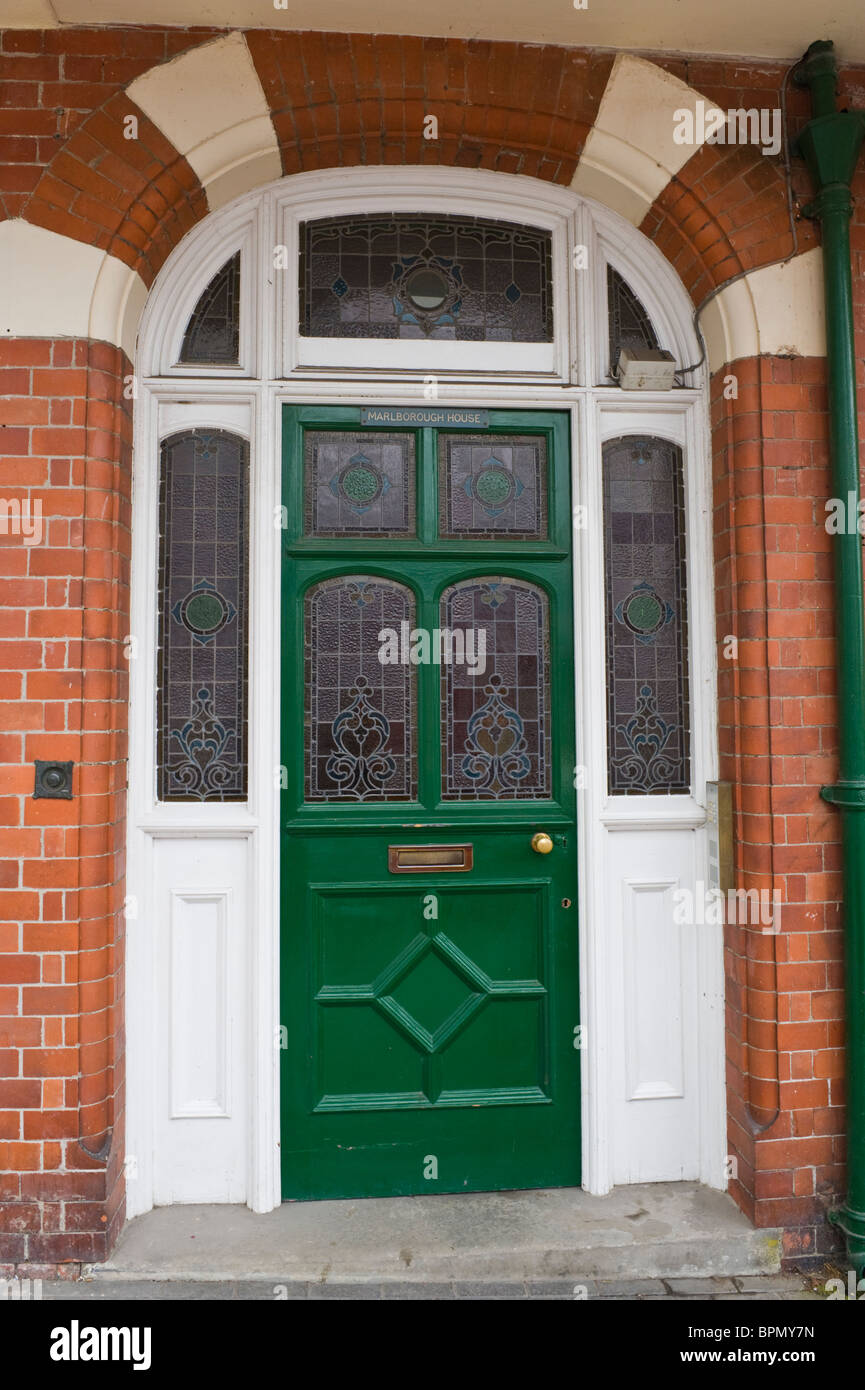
646 369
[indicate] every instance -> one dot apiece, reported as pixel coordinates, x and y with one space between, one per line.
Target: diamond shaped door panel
445 988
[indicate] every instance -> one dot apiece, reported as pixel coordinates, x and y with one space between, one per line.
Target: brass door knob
541 842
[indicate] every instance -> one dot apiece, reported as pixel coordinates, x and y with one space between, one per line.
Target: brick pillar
778 740
65 446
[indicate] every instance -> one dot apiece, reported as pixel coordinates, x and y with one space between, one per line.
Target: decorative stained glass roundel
360 482
427 288
204 612
494 485
643 611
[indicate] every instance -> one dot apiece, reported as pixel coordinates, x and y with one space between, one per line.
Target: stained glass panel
360 711
443 278
496 717
212 335
629 323
359 483
493 486
646 618
202 619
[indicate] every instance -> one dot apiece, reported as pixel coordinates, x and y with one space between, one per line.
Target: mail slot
414 859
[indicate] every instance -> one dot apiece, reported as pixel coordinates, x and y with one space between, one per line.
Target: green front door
429 985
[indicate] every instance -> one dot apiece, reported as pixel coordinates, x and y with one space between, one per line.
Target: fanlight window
628 322
212 336
443 278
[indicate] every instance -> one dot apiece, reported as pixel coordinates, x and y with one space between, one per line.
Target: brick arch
134 198
338 100
342 99
725 212
335 100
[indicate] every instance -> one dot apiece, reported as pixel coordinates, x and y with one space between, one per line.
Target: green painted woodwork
429 1019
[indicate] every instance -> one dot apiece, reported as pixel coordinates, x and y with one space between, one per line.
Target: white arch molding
214 868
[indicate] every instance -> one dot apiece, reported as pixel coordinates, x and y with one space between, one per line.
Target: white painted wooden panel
656 1100
200 1017
428 357
199 919
654 1045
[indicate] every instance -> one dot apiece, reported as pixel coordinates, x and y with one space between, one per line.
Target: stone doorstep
767 1288
672 1231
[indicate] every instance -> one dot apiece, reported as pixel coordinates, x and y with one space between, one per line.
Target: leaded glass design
202 618
359 483
442 278
361 712
493 486
496 713
212 336
629 324
646 618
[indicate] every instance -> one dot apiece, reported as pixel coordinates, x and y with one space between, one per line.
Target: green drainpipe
830 144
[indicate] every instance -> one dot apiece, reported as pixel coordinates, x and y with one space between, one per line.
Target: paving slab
784 1283
771 1296
630 1288
650 1231
698 1286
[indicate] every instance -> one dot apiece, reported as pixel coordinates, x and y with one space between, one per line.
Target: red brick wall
778 742
342 100
65 442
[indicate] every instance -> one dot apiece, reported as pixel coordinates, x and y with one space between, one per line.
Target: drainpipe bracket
848 795
818 61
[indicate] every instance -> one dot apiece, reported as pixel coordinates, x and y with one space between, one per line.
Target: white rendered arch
218 864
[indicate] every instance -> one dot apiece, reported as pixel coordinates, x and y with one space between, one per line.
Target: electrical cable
782 260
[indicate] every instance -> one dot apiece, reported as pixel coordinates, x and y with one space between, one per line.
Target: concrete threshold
653 1230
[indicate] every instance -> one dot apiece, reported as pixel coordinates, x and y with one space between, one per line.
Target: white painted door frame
249 400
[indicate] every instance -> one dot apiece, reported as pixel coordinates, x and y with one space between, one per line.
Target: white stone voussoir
211 105
52 286
631 152
777 310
